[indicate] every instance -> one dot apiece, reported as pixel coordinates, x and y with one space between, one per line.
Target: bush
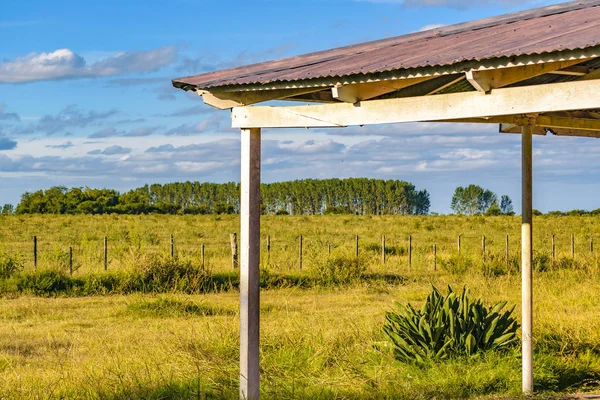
166 274
339 269
9 265
457 264
45 283
448 326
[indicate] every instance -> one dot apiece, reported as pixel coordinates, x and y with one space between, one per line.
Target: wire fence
220 252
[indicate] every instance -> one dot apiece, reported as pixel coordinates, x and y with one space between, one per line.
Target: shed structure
532 72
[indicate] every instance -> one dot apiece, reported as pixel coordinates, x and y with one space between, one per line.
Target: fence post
234 250
268 247
172 246
459 244
572 245
202 255
71 260
383 249
591 244
553 250
35 253
409 252
328 248
483 248
356 246
105 253
506 254
300 250
434 257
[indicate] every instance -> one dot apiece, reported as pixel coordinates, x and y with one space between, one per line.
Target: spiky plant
448 326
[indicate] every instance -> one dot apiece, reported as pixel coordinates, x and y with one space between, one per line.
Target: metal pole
250 265
553 251
35 253
202 255
483 248
459 244
172 246
434 257
269 247
527 260
572 245
105 253
591 244
409 252
383 249
507 255
300 251
70 260
356 246
234 250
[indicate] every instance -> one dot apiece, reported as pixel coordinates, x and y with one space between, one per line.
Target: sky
86 100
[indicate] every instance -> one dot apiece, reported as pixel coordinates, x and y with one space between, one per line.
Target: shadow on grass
50 283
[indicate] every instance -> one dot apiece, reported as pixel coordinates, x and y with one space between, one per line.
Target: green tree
7 209
472 200
506 205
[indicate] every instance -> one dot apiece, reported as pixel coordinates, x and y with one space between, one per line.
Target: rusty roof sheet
569 26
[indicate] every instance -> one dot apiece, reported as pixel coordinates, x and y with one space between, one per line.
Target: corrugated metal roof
569 26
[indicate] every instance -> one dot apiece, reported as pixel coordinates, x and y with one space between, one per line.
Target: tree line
358 196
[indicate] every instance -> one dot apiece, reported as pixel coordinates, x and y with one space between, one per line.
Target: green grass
320 327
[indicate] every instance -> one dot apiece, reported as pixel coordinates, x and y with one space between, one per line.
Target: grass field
317 342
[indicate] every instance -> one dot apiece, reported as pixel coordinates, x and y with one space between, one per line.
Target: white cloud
66 64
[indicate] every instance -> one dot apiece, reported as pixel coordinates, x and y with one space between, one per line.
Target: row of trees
305 197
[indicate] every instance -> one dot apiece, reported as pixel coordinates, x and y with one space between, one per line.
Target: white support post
526 260
249 266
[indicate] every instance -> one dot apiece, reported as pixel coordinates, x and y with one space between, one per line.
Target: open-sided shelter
533 72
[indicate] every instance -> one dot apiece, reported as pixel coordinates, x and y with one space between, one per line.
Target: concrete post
250 265
526 259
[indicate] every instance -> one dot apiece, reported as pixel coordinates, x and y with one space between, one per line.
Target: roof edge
185 84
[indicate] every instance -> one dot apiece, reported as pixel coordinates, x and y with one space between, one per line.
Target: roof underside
537 47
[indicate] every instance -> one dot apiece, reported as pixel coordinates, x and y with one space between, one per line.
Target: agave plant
448 326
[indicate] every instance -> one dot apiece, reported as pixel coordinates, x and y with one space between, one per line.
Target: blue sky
86 100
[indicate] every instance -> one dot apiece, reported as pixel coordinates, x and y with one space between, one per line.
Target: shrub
166 274
448 326
45 283
9 265
457 264
339 269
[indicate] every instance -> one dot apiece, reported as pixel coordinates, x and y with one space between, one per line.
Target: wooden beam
579 95
485 81
250 265
225 100
576 70
426 88
367 91
574 132
512 128
323 96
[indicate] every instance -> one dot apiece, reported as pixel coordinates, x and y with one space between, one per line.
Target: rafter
225 100
485 81
367 91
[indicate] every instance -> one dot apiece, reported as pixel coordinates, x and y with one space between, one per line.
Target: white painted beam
579 95
526 261
250 266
